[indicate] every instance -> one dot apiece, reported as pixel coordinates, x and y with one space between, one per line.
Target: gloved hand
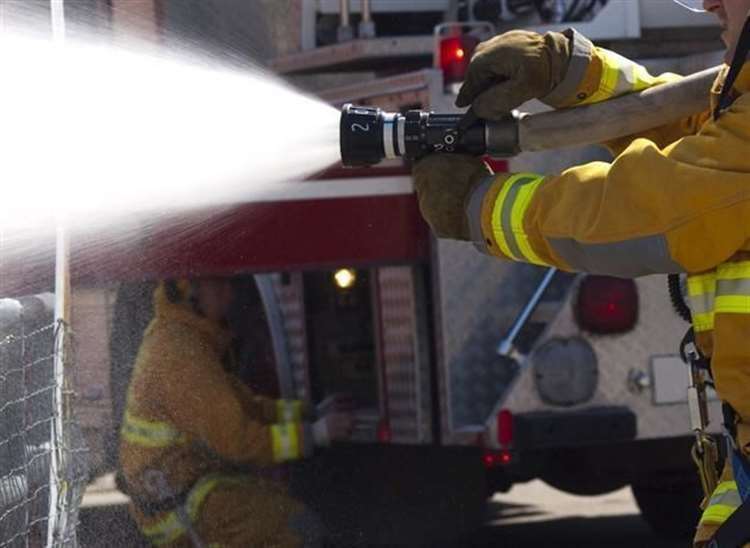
512 68
332 427
335 402
443 183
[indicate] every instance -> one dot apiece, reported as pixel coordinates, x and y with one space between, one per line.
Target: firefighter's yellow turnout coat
675 199
188 422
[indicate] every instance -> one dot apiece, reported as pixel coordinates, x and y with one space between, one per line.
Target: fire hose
369 135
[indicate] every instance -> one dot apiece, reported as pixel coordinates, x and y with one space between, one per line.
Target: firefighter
674 200
192 432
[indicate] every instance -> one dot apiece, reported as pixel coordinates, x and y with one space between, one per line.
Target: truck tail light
384 432
455 54
607 305
504 428
493 459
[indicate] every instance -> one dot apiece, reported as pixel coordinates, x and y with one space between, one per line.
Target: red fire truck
344 290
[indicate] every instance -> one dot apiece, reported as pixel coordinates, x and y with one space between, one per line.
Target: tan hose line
619 117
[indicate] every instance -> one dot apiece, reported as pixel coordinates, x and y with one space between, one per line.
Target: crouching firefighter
675 199
192 431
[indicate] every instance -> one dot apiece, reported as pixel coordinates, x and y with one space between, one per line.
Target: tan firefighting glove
443 183
510 69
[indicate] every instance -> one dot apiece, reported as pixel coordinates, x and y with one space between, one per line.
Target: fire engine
469 374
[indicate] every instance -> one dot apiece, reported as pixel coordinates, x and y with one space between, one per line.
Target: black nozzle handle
502 136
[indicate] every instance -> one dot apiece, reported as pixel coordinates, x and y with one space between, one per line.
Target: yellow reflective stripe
703 322
702 284
733 271
285 442
288 410
733 304
525 194
170 528
508 213
166 530
497 209
724 501
702 293
153 434
733 288
619 76
724 487
609 79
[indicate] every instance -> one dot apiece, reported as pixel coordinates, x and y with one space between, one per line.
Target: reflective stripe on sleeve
733 288
288 411
724 501
702 296
285 441
148 433
581 51
508 214
619 76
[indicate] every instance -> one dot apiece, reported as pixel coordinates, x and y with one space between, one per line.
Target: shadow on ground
508 526
523 526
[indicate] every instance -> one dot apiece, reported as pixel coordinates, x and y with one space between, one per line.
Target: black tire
671 509
578 472
394 495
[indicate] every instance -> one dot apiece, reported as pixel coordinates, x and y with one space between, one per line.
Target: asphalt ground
531 515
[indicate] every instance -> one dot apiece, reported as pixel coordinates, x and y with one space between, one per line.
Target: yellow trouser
228 511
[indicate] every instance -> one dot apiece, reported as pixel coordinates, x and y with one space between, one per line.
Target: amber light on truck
607 305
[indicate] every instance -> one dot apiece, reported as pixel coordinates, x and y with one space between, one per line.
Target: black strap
740 56
735 531
702 362
150 508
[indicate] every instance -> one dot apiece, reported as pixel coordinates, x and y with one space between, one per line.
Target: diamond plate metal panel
657 333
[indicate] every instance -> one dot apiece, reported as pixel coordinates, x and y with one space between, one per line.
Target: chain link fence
43 470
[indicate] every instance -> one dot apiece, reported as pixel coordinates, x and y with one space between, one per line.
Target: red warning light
455 54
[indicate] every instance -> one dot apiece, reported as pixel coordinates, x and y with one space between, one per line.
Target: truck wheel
671 509
579 473
394 495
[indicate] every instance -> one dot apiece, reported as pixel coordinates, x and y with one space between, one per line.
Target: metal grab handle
506 346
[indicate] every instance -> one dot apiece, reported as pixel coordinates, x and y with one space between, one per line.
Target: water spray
369 135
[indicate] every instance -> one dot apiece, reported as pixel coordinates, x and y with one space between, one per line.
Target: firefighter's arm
682 208
214 414
596 74
270 410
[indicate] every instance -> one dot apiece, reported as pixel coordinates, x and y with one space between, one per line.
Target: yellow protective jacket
189 418
676 199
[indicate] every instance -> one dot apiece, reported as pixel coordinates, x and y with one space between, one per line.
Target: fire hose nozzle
369 135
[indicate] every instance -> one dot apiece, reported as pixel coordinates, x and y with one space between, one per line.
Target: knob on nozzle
369 135
361 135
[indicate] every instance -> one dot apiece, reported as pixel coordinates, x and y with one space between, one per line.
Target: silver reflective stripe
626 77
401 135
474 213
627 259
730 498
739 286
580 58
702 304
388 123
